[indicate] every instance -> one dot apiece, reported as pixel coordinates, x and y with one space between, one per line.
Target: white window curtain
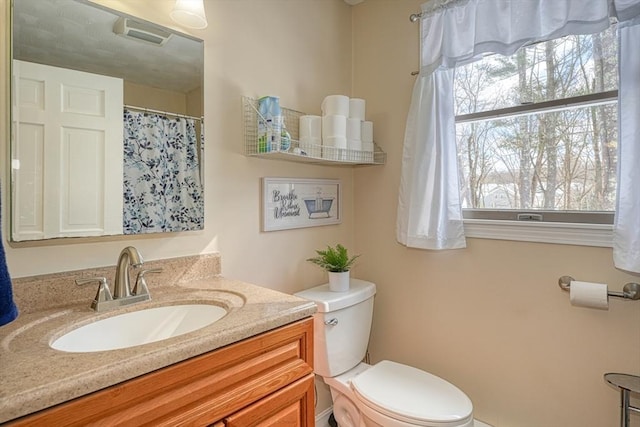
626 229
454 32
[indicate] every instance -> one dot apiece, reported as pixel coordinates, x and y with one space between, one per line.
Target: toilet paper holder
629 291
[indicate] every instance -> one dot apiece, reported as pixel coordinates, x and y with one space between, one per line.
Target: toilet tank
342 326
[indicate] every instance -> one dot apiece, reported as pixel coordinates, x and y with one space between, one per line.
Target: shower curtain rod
164 113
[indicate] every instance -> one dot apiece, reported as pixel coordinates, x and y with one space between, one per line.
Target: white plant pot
339 282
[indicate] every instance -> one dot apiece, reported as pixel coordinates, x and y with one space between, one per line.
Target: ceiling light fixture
190 13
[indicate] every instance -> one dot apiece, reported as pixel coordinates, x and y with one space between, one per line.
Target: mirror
106 115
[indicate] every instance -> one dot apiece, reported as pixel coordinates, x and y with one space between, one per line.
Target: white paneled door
66 154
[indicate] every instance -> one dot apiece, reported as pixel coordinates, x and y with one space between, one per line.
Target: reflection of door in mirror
67 146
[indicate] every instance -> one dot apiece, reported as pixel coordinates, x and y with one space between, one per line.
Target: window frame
523 215
590 100
583 228
563 233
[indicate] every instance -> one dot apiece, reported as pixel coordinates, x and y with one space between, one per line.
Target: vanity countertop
33 376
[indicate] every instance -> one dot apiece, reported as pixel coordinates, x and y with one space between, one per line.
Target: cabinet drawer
197 391
290 407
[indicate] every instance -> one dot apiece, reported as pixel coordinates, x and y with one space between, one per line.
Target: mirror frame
9 88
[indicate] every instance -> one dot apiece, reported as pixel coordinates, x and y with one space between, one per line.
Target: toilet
386 394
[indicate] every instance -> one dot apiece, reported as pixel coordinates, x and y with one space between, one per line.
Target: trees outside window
538 130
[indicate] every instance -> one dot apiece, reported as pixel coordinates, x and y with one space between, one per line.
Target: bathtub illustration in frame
297 203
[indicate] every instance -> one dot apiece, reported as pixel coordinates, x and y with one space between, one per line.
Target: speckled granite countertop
33 376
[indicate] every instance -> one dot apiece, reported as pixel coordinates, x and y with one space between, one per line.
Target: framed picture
296 203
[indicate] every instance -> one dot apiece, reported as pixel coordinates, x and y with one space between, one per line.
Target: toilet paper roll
587 294
356 108
354 144
335 105
335 141
334 126
310 126
353 129
334 153
367 132
311 146
312 140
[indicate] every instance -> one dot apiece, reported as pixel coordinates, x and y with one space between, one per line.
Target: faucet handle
140 287
103 294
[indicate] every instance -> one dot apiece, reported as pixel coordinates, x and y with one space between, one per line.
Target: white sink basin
139 327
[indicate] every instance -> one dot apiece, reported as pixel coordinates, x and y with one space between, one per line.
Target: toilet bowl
386 394
390 394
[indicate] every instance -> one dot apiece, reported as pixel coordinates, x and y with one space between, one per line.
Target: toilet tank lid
328 301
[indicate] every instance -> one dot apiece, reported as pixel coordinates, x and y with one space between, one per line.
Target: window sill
600 235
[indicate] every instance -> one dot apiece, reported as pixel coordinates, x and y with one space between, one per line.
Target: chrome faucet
129 256
122 293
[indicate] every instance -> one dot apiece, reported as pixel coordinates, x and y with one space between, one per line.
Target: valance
458 31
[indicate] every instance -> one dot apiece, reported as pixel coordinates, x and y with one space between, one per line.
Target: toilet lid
410 394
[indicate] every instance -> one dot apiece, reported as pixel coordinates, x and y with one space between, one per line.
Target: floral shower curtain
162 185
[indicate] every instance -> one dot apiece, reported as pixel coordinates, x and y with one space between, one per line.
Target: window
537 132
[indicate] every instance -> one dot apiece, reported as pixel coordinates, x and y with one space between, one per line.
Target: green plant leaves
335 259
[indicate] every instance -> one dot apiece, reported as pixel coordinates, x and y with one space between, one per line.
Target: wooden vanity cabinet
264 381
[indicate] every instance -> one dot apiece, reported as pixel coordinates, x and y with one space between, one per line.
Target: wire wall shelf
297 152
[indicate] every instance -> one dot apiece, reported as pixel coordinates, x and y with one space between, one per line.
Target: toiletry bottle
263 113
269 135
269 124
285 139
277 122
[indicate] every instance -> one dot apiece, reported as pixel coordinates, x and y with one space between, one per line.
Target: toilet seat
412 395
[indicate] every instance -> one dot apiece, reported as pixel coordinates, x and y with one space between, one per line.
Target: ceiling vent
142 31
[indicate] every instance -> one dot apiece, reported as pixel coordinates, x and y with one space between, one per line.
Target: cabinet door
290 407
269 372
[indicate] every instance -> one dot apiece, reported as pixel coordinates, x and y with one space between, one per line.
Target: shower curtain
162 184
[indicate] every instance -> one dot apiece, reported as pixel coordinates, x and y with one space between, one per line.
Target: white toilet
387 394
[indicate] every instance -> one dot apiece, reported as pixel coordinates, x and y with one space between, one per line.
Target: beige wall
252 48
194 103
490 318
139 95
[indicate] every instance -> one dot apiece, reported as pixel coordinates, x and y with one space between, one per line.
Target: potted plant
337 263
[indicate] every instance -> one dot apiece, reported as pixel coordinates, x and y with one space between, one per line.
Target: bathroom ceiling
79 35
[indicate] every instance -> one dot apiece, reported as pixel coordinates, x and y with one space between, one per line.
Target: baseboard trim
322 419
